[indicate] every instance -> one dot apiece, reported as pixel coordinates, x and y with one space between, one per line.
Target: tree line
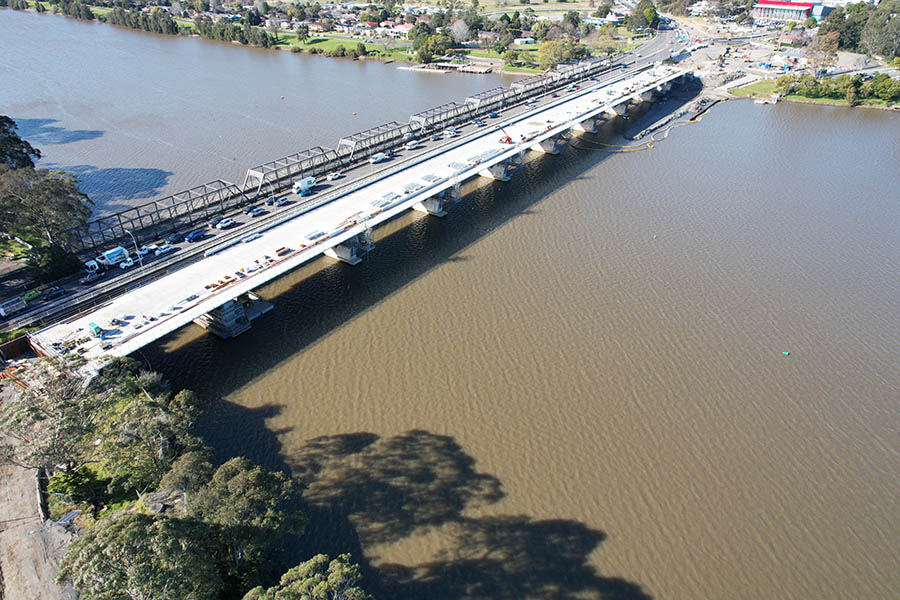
866 28
39 204
853 89
184 527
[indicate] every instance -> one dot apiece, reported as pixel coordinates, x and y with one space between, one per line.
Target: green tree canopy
52 422
138 556
557 51
316 579
251 506
42 201
14 151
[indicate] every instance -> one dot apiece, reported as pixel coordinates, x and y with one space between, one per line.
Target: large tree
51 423
42 201
141 557
251 506
14 151
140 440
316 579
557 51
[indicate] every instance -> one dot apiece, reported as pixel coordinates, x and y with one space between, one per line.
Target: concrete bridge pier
549 146
227 321
586 126
618 110
500 171
353 249
433 206
647 96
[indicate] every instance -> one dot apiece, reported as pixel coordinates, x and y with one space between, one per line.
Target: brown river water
574 386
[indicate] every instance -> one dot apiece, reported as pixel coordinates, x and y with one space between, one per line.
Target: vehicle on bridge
413 145
165 249
225 223
215 221
11 307
125 264
452 132
107 259
256 211
195 235
334 175
281 202
303 187
378 157
31 295
52 293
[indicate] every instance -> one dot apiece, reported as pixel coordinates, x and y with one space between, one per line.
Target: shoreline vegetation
425 44
157 517
789 90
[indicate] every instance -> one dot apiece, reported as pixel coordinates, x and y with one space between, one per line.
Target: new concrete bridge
211 291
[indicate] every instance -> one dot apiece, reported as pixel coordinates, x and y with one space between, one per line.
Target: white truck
106 260
303 187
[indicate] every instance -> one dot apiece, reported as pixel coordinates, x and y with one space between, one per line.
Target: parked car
128 262
215 221
195 235
165 249
281 201
174 238
225 223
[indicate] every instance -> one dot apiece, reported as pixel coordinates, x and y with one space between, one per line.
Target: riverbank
28 563
765 88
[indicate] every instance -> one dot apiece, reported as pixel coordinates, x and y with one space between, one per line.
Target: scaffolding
439 116
154 219
277 174
360 145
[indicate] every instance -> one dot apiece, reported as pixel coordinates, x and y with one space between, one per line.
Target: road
115 281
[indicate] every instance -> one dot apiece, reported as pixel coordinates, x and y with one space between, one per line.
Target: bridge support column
647 96
498 172
436 204
586 126
618 110
227 321
352 250
549 146
433 206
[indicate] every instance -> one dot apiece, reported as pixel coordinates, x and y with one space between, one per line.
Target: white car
145 250
128 262
334 175
165 249
225 223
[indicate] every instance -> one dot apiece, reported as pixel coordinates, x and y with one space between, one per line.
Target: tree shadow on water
115 189
363 491
41 132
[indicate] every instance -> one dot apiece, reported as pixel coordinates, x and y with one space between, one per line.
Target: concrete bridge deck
340 227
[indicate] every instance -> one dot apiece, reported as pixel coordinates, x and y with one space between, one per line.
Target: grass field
756 89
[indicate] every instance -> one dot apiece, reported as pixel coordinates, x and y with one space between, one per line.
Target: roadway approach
205 291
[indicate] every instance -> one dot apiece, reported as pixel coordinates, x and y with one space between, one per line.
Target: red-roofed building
779 10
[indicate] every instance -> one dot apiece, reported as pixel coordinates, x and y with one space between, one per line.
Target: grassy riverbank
766 87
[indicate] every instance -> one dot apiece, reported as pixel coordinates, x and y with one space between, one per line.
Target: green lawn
329 43
757 89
